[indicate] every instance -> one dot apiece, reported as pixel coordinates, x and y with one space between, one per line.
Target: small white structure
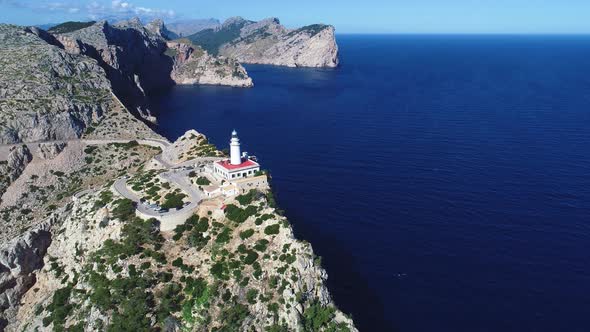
236 167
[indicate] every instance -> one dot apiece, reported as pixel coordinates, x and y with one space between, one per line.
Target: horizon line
468 33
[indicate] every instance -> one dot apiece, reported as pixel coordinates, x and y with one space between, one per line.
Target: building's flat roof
246 164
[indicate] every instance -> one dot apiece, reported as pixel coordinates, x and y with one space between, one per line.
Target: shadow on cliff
134 62
139 68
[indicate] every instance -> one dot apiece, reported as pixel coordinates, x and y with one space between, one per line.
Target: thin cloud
96 10
124 9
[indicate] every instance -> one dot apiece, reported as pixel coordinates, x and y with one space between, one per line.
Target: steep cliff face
10 169
46 93
193 65
19 259
131 55
268 42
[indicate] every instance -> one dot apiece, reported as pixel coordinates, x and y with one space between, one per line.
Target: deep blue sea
445 180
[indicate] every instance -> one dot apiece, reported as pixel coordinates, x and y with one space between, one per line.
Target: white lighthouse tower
234 149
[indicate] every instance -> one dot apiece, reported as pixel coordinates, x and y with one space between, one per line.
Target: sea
444 179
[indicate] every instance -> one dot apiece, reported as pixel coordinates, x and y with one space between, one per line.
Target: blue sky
366 16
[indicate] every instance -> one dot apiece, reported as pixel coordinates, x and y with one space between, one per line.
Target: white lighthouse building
235 154
237 166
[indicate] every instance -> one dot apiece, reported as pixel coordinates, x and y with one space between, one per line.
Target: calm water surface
445 180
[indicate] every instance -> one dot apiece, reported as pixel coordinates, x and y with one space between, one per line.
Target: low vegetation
70 26
211 40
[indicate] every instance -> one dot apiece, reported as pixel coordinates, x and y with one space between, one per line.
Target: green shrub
197 240
261 245
124 210
224 236
246 234
237 214
170 301
173 201
251 296
250 257
220 271
177 262
272 229
59 308
127 146
317 316
246 199
203 181
232 317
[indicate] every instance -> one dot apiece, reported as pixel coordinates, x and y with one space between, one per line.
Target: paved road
5 148
179 178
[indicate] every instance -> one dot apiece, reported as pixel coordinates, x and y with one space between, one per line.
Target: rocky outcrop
193 65
50 150
268 42
46 93
10 169
18 158
157 27
19 260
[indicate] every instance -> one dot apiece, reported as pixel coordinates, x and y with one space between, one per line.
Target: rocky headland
74 255
269 42
193 65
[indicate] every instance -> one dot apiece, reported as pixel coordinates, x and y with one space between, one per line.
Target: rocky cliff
45 92
193 65
131 55
268 42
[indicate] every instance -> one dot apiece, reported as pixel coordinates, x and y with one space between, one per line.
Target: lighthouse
235 155
235 167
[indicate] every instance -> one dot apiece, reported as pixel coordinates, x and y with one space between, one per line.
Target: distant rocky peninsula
269 42
80 159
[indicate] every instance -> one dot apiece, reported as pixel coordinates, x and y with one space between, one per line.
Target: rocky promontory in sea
269 42
75 254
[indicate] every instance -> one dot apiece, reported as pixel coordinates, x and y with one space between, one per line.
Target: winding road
33 146
175 174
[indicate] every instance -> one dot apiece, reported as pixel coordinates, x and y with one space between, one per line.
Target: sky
348 16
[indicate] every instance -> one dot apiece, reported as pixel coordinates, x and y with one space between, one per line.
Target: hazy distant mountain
46 26
190 26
